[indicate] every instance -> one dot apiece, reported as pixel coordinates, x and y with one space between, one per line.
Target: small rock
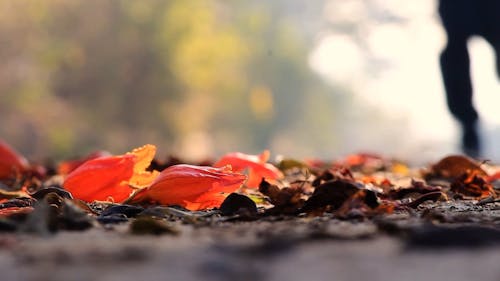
148 225
238 204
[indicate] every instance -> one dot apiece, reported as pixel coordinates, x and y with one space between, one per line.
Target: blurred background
201 78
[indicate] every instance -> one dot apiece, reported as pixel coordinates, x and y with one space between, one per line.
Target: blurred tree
197 78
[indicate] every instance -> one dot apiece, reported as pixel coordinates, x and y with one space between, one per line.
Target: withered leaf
286 200
471 184
419 187
432 196
361 204
454 166
333 174
331 193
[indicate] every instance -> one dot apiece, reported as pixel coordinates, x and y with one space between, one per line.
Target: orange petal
111 178
255 164
143 157
193 187
102 179
264 156
11 163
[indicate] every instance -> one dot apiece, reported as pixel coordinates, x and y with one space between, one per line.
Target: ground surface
404 246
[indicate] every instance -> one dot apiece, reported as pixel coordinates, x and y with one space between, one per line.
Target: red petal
11 163
69 166
193 187
240 161
110 178
255 164
102 179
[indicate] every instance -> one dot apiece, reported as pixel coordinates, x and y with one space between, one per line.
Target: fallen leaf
431 196
337 173
287 200
331 194
290 163
416 187
257 166
472 184
454 166
192 187
360 204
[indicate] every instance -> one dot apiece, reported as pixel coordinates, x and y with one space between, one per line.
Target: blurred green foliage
197 78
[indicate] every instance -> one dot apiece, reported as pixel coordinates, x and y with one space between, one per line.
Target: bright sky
395 66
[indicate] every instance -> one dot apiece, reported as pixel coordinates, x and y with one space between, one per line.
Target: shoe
470 142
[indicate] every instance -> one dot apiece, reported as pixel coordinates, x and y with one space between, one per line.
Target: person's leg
494 40
455 69
497 55
496 48
490 28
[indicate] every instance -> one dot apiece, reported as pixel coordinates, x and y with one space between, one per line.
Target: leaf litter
455 196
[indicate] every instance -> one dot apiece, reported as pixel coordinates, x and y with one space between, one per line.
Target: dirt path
294 249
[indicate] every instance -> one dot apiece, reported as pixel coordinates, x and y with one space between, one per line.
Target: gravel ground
397 247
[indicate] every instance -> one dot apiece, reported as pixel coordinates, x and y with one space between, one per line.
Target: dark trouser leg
455 68
496 47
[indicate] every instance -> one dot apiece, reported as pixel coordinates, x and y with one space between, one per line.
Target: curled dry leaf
431 196
287 200
338 173
257 166
473 185
11 162
110 178
360 204
454 166
331 194
192 187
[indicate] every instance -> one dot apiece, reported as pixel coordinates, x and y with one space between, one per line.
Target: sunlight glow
398 70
